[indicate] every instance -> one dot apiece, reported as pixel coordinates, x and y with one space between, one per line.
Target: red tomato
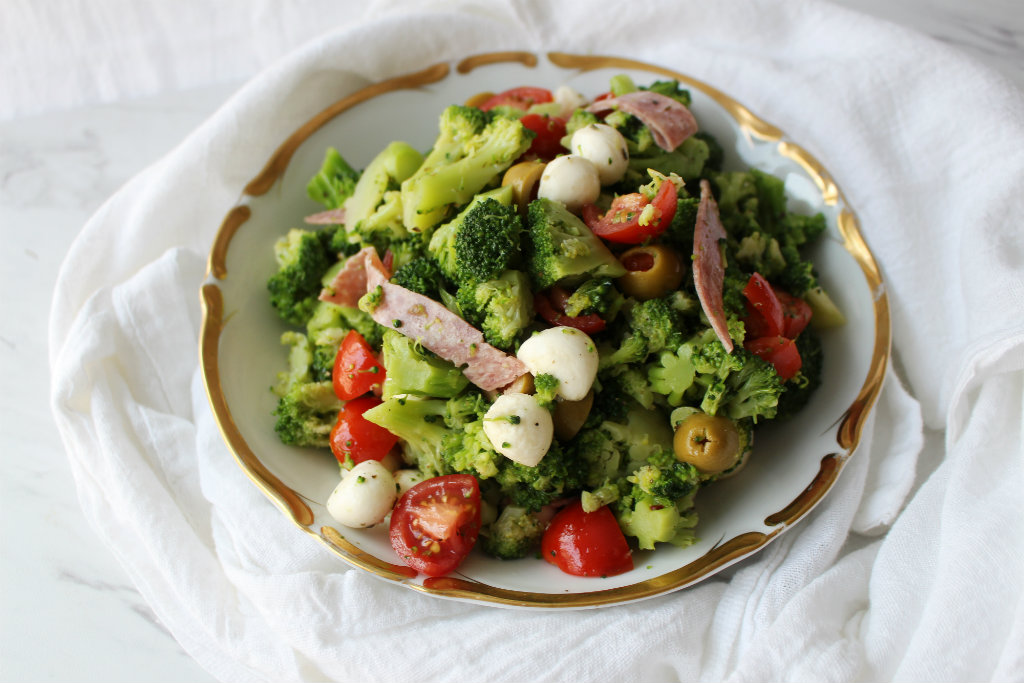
357 439
435 523
356 369
589 323
796 313
622 222
780 352
550 130
764 308
586 543
518 98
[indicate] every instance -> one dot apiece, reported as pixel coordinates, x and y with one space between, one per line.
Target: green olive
569 416
709 443
522 385
651 271
478 99
524 178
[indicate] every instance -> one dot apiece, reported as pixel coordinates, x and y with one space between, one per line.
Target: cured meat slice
432 325
708 265
332 217
669 121
353 280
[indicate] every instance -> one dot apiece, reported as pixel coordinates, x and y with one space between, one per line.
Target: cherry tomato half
356 438
518 98
763 308
550 130
796 314
621 223
780 352
586 543
548 309
356 369
435 523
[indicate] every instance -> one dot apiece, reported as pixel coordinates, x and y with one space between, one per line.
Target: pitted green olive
569 416
524 178
709 443
478 99
651 271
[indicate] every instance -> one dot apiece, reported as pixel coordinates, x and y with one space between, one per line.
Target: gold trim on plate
724 553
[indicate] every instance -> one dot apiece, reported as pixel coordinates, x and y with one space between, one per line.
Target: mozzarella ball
406 479
569 99
519 428
364 497
604 147
571 180
565 353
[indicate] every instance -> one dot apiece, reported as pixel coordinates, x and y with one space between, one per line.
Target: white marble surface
68 612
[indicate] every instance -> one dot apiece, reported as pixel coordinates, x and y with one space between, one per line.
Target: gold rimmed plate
793 466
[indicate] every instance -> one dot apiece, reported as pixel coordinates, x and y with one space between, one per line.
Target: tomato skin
621 223
589 323
435 524
550 130
356 369
355 438
764 308
780 352
586 543
518 98
796 314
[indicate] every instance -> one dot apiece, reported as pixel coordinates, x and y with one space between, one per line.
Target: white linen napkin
912 567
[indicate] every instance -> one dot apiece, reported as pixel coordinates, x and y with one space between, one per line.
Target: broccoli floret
472 149
419 424
651 326
451 245
468 450
796 393
487 241
300 358
501 308
672 375
658 505
665 484
679 233
561 247
633 349
373 213
580 118
558 473
303 257
513 535
716 154
306 413
335 181
612 450
421 275
545 388
754 390
412 369
606 494
738 384
688 161
761 253
599 296
633 381
670 89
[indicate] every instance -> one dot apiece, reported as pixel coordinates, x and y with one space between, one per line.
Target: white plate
794 464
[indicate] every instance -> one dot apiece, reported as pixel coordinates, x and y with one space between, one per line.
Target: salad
549 332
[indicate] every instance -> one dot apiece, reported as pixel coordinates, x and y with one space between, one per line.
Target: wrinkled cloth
912 568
